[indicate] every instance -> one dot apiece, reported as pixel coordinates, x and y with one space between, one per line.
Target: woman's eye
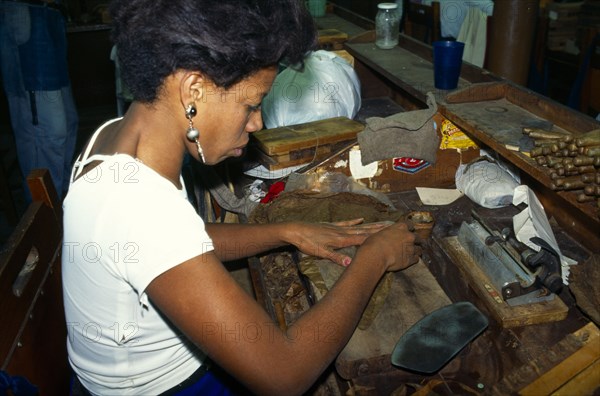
254 108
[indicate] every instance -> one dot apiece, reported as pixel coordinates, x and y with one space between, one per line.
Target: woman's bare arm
201 298
235 241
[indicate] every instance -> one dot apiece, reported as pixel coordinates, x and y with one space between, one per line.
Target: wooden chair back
33 333
42 189
421 21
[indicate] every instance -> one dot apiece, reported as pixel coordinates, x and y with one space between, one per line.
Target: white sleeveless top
124 225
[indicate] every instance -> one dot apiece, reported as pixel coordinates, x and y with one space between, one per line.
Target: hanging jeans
43 115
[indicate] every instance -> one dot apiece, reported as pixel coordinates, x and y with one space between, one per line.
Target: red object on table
274 191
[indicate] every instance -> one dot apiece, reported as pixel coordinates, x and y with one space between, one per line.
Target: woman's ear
192 87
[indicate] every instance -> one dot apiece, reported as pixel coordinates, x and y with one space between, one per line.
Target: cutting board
286 146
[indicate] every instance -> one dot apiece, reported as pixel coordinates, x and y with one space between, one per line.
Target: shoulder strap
83 159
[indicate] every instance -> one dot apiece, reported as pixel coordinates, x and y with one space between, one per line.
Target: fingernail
347 261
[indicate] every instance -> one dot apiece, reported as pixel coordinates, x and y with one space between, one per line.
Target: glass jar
387 25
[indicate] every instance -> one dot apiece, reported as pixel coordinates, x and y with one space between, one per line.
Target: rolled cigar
541 150
591 178
591 138
573 185
540 134
562 145
571 168
592 151
565 186
579 169
581 197
570 181
537 133
592 189
554 148
597 161
589 169
546 142
551 161
541 160
536 152
583 160
572 147
567 160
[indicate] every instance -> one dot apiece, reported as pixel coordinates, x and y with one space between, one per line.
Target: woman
147 298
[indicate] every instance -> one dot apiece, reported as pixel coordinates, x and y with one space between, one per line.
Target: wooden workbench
503 360
500 361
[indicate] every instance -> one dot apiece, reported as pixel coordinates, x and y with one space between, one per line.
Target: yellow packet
454 138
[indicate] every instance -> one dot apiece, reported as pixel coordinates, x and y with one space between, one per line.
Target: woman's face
227 116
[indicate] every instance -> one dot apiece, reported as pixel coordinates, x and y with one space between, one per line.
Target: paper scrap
357 169
341 164
262 172
438 196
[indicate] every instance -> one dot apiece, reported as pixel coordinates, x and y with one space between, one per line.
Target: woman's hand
320 239
395 248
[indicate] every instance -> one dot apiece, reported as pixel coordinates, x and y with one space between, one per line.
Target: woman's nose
255 122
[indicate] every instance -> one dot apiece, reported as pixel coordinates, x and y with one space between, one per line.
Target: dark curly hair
227 40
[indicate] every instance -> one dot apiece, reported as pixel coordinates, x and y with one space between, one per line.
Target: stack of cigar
574 161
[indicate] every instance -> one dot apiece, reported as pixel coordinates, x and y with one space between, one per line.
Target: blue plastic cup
447 60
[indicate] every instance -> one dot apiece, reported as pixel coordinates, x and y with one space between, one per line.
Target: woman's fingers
348 223
336 257
416 255
377 225
324 239
359 224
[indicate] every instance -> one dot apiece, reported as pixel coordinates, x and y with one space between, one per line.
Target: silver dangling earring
192 133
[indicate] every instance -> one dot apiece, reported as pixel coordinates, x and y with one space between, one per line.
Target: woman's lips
238 151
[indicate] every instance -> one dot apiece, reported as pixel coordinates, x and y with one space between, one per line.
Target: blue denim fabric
43 114
15 29
44 56
209 385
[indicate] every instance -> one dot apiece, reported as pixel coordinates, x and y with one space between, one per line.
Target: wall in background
364 8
